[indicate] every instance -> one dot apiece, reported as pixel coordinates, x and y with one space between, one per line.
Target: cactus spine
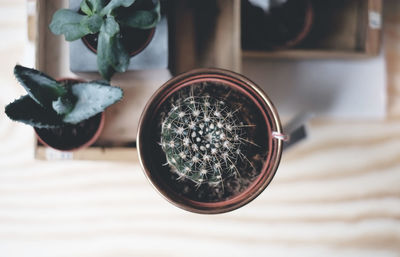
202 139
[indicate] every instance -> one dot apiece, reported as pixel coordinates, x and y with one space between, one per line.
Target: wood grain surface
337 194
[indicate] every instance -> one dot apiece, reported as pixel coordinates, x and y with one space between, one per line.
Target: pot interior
134 40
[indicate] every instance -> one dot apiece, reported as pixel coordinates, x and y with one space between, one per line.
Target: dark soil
274 29
71 136
134 40
249 170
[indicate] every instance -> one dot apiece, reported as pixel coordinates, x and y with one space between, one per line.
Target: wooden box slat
205 34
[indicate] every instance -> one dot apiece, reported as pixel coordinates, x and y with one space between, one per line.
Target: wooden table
337 194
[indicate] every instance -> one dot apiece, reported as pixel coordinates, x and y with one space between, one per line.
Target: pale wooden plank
337 194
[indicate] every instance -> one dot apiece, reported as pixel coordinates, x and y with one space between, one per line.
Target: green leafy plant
107 20
53 104
202 140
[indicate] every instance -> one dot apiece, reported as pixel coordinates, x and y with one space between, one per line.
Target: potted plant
284 23
114 29
66 114
209 140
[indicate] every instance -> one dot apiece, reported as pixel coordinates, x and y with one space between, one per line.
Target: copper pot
259 109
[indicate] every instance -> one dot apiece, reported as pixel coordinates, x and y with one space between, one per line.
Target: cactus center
201 138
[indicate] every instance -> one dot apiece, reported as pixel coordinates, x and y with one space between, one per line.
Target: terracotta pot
307 25
72 137
263 158
282 28
134 40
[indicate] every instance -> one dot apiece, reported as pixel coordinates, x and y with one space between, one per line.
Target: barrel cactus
202 139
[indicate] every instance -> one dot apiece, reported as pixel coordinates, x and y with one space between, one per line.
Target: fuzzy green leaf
119 56
92 98
40 87
68 23
97 5
113 4
27 111
86 7
91 7
143 19
92 23
111 55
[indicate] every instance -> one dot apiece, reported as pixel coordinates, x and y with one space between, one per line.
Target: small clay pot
284 26
72 137
263 153
134 40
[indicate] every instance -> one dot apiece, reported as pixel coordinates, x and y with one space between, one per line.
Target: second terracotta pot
72 137
283 26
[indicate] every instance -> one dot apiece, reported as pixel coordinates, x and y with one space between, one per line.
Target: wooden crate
341 29
118 139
